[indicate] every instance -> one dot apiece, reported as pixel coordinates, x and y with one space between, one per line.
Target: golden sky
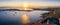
29 5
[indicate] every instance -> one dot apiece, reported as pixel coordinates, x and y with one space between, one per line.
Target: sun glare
25 6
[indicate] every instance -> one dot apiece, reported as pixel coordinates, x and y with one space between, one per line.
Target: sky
30 3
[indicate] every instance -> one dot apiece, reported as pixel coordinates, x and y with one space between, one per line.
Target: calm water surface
15 16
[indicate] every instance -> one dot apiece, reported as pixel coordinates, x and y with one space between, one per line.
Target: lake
14 17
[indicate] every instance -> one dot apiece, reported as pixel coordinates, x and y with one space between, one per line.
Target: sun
25 6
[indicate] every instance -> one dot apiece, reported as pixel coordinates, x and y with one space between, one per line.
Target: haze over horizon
30 3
